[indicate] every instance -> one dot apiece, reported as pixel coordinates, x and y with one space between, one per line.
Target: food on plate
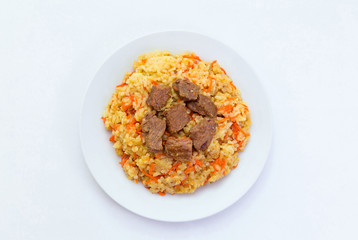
203 105
177 117
177 122
202 134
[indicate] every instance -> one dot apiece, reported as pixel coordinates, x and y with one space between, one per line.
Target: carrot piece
130 75
145 183
237 128
112 139
232 84
159 155
150 176
174 166
151 169
189 170
222 120
212 63
104 119
124 159
128 105
226 135
136 180
221 162
115 125
207 179
223 70
240 143
192 57
154 82
121 85
161 193
210 84
198 162
226 108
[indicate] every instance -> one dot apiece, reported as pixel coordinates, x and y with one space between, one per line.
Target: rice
127 107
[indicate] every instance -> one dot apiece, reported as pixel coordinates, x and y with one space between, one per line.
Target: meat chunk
177 117
203 133
158 96
153 129
179 148
203 105
187 90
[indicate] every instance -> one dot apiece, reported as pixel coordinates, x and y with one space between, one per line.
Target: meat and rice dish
177 122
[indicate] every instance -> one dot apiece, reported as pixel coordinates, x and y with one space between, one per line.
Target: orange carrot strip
121 85
104 119
154 82
210 84
150 176
192 57
124 159
206 181
242 131
128 105
151 169
223 70
226 108
112 139
174 166
198 162
159 155
145 183
212 63
222 120
232 84
161 193
115 125
136 181
189 170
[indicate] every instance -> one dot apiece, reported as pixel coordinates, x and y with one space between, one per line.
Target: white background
306 54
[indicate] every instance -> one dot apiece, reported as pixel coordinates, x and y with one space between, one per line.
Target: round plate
103 161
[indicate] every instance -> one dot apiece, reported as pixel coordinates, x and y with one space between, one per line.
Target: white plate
208 200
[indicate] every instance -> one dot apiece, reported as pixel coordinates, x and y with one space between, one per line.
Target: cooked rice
127 107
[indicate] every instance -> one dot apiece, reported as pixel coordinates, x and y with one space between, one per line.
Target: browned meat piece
179 148
203 105
153 129
158 96
177 117
187 90
203 133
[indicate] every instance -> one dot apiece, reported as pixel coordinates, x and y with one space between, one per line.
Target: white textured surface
305 52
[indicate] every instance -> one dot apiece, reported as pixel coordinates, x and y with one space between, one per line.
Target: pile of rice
127 107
